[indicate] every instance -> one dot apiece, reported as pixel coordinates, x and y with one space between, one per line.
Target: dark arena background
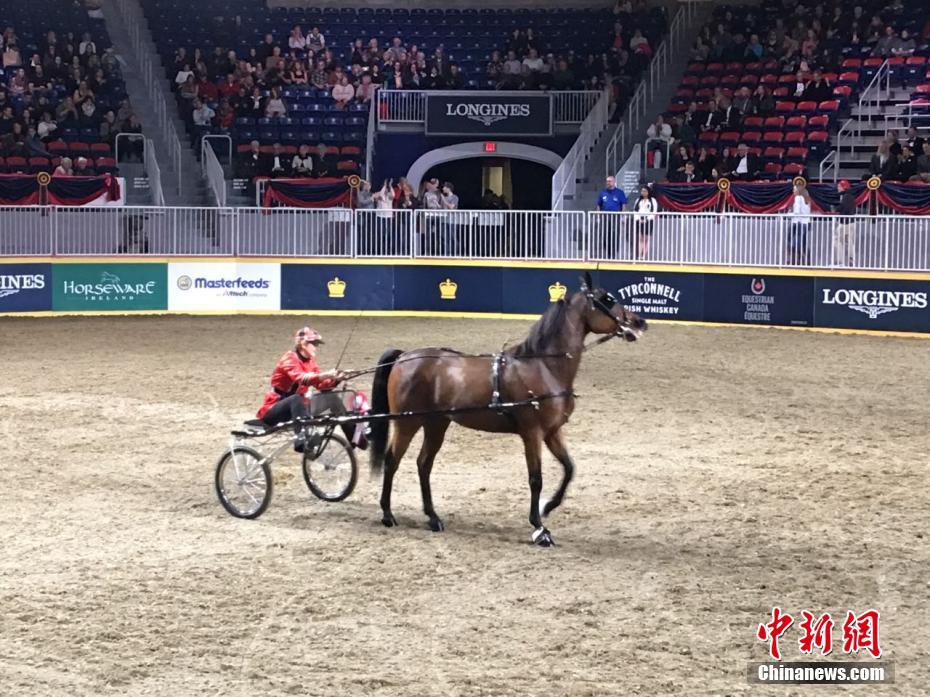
736 195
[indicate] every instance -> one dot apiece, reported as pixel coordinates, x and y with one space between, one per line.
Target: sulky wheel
243 482
330 468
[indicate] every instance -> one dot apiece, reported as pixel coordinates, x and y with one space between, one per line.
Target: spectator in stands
742 101
710 121
886 43
683 131
316 42
883 164
275 107
181 77
659 135
108 127
322 161
893 145
202 117
923 163
818 89
645 208
190 90
512 72
302 164
82 168
800 226
343 93
278 163
47 127
252 164
688 175
296 41
748 165
763 102
914 141
907 164
729 116
87 116
844 227
64 168
905 47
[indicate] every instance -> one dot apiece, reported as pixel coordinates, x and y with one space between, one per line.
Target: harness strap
496 365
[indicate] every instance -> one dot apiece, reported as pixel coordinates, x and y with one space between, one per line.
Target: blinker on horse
526 390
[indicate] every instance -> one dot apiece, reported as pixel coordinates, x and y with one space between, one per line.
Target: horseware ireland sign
488 114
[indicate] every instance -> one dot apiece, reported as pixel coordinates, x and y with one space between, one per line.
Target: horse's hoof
388 520
542 537
435 524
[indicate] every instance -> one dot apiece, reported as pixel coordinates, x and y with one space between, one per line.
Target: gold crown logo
337 288
556 292
447 289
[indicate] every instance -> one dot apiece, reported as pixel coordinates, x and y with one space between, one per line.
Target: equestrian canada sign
488 114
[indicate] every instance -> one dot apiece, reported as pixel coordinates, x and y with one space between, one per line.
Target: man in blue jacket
610 200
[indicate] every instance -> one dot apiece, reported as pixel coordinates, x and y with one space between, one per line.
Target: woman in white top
644 217
275 107
296 41
800 226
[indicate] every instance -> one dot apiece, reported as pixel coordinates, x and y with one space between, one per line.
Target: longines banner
483 114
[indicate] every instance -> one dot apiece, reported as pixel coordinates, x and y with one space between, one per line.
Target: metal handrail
371 135
565 178
830 162
213 170
866 98
153 172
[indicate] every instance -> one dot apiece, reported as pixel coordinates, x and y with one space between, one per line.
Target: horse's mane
545 329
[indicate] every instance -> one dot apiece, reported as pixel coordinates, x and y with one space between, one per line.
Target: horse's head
603 314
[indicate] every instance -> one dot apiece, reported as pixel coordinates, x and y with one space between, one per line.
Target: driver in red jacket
292 378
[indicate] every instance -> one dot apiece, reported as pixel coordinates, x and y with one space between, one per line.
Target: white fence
728 239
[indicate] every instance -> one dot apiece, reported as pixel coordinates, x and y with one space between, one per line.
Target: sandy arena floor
720 472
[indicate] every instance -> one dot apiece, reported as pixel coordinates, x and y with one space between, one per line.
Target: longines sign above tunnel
488 114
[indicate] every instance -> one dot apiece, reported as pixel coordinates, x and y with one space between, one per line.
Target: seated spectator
883 164
742 100
278 163
83 169
533 62
109 128
729 116
639 44
322 161
88 116
343 93
495 68
704 165
905 46
562 77
711 118
296 41
679 156
886 43
763 102
754 49
893 145
512 72
275 107
907 164
366 89
923 164
47 127
64 168
914 141
11 55
302 164
688 174
182 75
316 42
683 131
202 115
190 90
748 165
818 89
252 163
800 84
454 81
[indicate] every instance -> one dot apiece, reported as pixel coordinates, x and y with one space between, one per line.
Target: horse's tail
378 435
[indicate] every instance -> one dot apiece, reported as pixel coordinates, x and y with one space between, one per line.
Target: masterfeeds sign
25 287
99 287
488 114
224 286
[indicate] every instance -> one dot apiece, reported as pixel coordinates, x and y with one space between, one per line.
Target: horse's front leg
556 444
532 445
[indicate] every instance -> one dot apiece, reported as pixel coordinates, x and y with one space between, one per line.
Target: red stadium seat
796 122
917 60
807 106
818 137
729 138
793 168
100 149
709 137
781 92
830 105
696 68
729 80
819 122
709 81
786 79
842 91
769 80
772 137
40 164
678 107
347 166
873 62
773 153
704 93
851 78
798 154
775 122
691 81
106 165
753 122
57 146
734 67
795 137
754 67
17 164
850 63
752 137
784 106
922 89
772 168
714 68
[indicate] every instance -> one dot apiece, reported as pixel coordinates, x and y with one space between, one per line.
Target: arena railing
408 106
153 172
130 14
211 167
876 243
875 93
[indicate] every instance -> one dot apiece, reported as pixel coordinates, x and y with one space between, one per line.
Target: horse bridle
604 305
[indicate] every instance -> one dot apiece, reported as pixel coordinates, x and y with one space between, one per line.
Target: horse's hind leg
556 444
433 434
401 436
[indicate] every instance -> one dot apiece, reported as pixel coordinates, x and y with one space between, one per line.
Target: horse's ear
586 282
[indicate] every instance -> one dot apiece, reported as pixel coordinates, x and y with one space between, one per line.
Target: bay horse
430 381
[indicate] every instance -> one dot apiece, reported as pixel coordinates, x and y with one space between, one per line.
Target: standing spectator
644 217
800 226
907 164
844 229
449 237
660 137
609 200
385 241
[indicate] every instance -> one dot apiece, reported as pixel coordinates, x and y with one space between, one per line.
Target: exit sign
490 146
